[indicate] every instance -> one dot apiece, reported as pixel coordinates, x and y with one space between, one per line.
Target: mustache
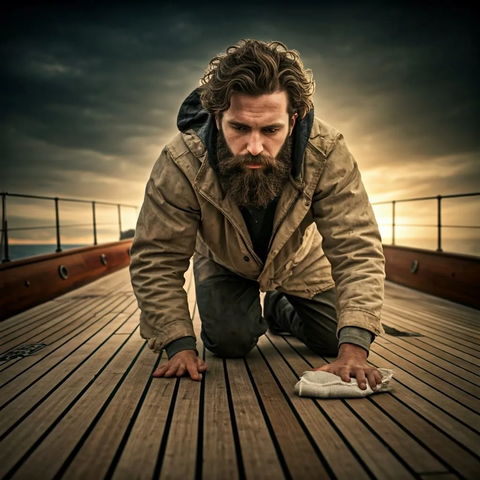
247 158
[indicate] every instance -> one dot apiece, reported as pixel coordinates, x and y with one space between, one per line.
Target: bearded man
266 198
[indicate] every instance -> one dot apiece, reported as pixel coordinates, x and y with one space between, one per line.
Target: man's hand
181 363
352 362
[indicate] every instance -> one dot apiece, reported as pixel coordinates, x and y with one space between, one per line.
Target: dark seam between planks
168 423
283 463
438 457
236 437
25 415
47 432
131 423
201 410
434 364
59 346
430 386
307 433
98 416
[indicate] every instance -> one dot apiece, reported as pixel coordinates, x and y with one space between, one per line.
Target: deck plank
218 437
258 450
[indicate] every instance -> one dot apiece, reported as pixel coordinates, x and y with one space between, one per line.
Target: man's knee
229 345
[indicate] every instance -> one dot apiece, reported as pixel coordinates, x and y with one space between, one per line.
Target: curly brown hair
256 68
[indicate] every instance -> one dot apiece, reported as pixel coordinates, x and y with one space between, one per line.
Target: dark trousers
232 320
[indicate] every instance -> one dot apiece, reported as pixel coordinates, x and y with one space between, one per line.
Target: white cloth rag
322 384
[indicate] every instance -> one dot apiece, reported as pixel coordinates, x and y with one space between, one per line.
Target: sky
90 96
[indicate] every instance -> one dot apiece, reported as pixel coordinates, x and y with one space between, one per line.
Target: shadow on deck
86 405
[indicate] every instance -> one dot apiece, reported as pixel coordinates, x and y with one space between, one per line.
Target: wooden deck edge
30 282
445 275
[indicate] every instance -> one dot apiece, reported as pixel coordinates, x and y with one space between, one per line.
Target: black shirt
259 223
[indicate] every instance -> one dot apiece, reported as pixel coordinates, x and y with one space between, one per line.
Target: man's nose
255 146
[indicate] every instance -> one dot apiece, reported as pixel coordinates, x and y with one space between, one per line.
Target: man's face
254 148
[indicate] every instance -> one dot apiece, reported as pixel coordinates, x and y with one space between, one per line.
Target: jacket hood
192 116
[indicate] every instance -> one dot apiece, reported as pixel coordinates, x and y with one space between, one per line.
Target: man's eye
271 130
238 127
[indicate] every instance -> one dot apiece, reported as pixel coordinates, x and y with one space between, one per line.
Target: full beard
253 187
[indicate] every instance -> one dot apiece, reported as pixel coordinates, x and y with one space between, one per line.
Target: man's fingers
193 371
360 376
181 370
202 367
372 380
378 376
344 374
171 370
159 372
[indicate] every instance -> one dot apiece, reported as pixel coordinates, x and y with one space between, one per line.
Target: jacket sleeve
351 240
161 250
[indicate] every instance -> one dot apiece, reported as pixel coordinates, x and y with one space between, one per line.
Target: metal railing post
439 223
393 222
120 221
94 224
6 257
57 224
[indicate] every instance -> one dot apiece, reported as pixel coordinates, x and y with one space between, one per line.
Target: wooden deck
86 405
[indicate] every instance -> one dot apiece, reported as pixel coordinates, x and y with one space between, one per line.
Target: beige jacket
324 235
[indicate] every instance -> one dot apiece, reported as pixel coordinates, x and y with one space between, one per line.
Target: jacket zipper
247 243
283 218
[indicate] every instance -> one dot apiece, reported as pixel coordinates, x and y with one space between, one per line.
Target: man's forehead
270 107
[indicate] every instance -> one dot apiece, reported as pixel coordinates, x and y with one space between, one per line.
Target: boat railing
4 246
439 225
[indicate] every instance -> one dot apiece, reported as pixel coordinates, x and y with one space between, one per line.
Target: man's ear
217 120
292 122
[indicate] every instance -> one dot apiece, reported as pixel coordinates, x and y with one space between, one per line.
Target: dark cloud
92 93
